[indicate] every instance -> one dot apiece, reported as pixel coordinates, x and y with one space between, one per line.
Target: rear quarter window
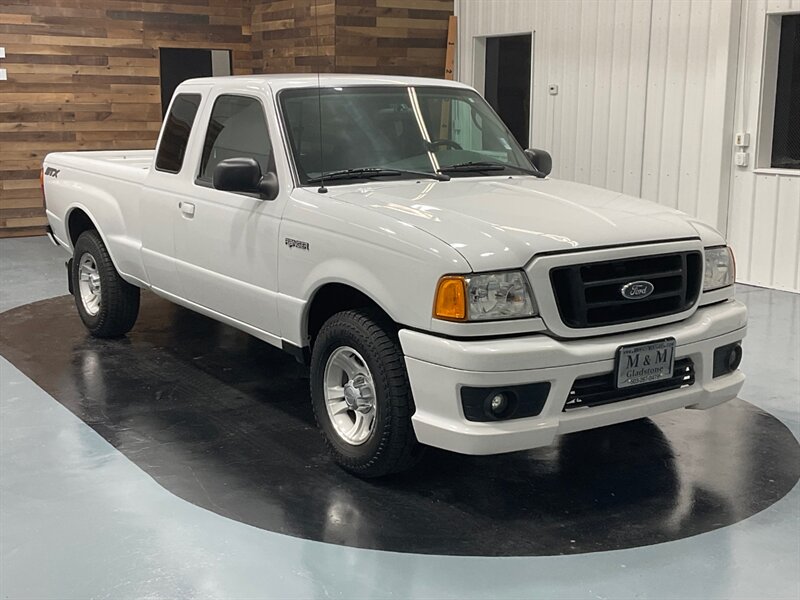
177 128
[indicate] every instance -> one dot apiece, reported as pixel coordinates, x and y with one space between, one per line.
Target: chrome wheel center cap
358 395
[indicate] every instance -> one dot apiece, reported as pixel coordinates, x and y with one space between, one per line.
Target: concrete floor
80 520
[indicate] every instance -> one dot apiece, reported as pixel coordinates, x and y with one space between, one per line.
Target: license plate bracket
648 362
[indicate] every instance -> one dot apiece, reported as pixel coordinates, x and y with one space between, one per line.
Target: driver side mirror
541 160
244 175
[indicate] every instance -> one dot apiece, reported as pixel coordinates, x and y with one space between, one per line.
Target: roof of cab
303 80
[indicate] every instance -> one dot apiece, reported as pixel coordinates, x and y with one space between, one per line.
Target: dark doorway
180 64
508 82
786 128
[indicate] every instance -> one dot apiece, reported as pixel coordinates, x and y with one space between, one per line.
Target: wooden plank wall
395 37
293 36
84 74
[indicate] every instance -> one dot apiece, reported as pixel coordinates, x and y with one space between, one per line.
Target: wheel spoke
337 407
348 363
335 392
355 431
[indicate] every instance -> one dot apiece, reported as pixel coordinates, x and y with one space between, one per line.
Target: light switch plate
3 75
2 52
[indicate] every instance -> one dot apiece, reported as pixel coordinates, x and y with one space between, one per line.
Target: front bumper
439 367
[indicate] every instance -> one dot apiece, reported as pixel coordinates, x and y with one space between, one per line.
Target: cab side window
237 129
176 133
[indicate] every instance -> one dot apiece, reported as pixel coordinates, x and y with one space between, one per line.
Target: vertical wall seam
627 104
607 118
663 109
696 203
679 174
728 171
646 96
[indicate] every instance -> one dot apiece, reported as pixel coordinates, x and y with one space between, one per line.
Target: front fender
395 264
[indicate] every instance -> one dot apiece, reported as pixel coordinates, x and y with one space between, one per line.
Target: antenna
322 189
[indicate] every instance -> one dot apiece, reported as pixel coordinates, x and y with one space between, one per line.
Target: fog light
485 404
498 404
727 359
735 358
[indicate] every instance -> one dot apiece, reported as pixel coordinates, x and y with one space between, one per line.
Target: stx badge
51 172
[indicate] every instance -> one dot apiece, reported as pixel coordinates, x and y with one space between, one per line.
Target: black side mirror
541 161
244 175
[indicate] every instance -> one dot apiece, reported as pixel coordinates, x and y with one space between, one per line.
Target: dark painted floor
224 421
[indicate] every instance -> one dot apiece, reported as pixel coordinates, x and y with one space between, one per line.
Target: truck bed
128 165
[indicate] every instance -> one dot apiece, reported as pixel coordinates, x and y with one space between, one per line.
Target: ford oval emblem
636 290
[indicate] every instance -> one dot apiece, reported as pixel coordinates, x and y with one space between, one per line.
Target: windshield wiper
480 167
369 172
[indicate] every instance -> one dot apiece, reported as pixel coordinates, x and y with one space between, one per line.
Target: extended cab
392 233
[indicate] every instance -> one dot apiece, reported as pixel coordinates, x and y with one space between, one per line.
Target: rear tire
361 395
107 304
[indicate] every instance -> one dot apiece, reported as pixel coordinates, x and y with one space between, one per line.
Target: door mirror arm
267 186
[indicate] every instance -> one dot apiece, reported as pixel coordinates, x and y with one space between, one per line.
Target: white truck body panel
226 255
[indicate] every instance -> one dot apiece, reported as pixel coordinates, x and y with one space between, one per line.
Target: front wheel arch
334 297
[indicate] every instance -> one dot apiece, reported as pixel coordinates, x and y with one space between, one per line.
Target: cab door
163 189
226 243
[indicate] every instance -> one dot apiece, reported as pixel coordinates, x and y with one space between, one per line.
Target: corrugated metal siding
765 208
596 51
646 107
642 91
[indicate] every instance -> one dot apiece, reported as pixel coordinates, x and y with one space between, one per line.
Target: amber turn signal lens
451 299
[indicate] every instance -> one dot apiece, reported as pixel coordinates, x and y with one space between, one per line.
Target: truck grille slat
599 389
620 280
589 295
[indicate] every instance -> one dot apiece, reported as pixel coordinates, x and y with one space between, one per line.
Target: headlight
484 297
720 268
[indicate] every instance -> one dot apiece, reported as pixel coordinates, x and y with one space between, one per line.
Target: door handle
187 208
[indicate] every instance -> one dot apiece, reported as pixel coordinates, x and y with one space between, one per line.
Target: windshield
396 132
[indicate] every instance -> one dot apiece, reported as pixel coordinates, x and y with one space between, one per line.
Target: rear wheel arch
78 221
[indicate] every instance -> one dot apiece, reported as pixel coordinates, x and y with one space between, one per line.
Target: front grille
599 389
589 295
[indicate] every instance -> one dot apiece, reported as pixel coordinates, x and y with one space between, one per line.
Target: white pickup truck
391 233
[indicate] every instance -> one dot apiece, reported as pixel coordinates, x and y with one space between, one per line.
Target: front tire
107 304
361 395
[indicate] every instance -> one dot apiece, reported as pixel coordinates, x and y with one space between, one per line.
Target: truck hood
501 223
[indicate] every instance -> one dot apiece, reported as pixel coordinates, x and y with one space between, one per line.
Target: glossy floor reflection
223 421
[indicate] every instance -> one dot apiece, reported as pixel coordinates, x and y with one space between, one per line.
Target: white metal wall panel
648 105
641 91
764 225
596 52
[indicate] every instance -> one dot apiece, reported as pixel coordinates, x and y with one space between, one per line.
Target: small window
786 127
176 133
237 129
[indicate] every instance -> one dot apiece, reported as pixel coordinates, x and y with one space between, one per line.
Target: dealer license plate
645 363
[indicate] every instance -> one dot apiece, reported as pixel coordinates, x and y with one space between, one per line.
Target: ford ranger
391 233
